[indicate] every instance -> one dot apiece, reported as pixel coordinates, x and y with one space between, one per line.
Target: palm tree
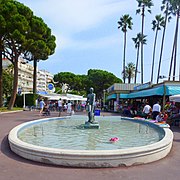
175 10
125 23
157 23
142 6
165 7
137 41
129 71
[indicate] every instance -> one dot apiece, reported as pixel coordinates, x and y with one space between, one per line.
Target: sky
87 36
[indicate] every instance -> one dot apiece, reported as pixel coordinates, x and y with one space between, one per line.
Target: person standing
59 106
147 110
69 108
41 105
156 110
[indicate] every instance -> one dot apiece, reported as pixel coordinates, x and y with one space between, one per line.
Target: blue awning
156 91
123 96
112 96
172 90
41 92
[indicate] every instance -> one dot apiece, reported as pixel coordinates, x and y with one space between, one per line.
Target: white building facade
25 76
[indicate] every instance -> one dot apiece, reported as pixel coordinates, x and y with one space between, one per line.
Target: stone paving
13 167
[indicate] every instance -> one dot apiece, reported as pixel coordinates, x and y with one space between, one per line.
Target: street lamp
104 98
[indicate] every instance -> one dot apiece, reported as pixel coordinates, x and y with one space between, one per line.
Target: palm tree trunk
1 78
170 67
154 52
15 84
124 56
175 53
142 30
136 65
129 80
35 77
162 43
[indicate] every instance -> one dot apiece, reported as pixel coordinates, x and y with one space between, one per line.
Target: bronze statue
91 105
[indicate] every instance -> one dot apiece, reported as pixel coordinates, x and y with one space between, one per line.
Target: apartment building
25 76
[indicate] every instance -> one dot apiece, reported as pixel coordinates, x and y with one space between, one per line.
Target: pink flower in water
114 139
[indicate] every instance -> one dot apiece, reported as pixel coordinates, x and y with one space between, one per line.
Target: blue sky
88 37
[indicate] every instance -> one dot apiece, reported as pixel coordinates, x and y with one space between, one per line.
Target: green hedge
30 100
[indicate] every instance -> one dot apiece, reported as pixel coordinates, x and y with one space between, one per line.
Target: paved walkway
13 167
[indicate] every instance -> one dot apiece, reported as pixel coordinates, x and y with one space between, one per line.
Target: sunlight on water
70 134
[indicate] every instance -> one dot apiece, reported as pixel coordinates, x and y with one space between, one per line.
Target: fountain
67 141
80 147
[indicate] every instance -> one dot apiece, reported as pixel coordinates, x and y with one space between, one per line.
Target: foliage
129 71
139 39
157 23
80 84
101 80
4 109
125 23
7 82
143 5
29 100
22 33
41 44
14 39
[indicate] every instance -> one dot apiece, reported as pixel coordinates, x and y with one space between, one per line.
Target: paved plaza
13 167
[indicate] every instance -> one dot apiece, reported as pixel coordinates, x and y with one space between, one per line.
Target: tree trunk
162 43
142 68
35 77
1 78
129 79
136 65
172 55
173 50
124 56
175 53
15 84
154 52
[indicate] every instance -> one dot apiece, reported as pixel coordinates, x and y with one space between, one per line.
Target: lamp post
24 100
104 98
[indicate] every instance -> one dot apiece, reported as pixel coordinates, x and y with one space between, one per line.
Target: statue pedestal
93 125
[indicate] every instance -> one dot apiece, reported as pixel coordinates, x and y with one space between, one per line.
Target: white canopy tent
72 97
175 98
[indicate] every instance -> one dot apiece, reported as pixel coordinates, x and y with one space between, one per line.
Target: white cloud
80 15
67 17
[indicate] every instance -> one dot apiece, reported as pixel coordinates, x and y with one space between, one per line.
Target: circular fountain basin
76 154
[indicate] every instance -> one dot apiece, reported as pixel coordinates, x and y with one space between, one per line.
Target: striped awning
157 91
112 96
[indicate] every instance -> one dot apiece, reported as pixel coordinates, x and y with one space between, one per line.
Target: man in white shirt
156 110
69 108
59 106
147 110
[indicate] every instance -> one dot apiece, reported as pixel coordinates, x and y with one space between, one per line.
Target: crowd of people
169 113
46 107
